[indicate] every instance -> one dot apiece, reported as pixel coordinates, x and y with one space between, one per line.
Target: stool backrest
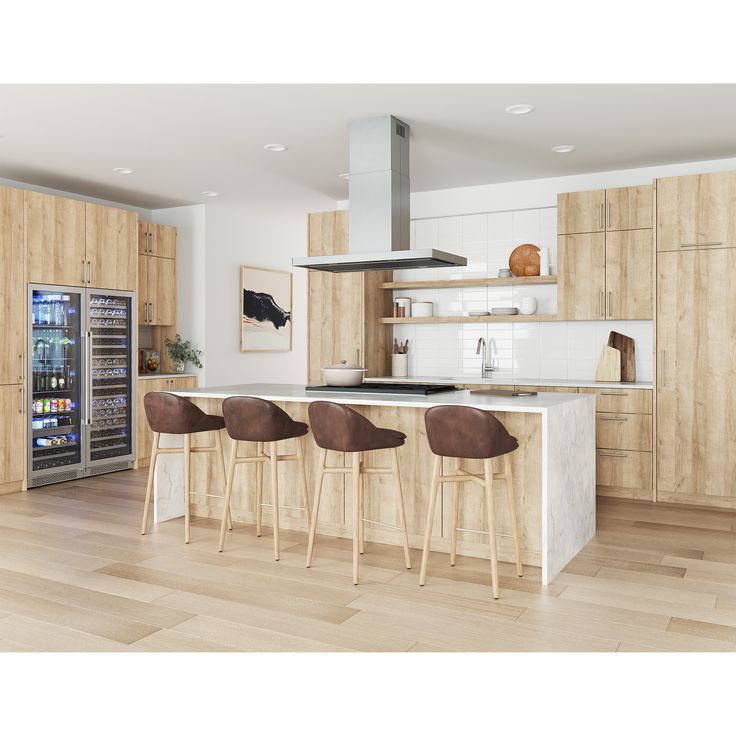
173 414
337 427
250 419
464 431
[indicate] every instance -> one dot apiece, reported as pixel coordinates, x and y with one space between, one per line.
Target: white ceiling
182 139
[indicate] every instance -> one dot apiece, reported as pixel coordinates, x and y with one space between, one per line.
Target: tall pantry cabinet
696 339
13 355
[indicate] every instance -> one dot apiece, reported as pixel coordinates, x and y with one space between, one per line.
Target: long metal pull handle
87 377
695 245
357 356
600 304
662 369
612 393
610 304
84 271
613 454
22 357
153 312
600 216
21 399
614 419
610 219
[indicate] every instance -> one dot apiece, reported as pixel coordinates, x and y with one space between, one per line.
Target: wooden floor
75 575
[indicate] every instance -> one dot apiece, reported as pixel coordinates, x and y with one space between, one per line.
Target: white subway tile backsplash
553 340
500 226
450 234
427 233
475 228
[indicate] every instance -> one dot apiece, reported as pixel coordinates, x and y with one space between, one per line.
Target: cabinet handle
600 304
357 356
22 357
612 393
662 371
614 419
600 216
610 219
91 271
153 312
610 304
22 400
84 271
613 454
695 245
150 243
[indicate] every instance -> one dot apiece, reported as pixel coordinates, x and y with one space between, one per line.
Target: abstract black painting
265 309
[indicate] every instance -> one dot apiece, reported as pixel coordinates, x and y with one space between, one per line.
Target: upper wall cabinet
111 248
12 287
156 240
56 240
601 210
696 211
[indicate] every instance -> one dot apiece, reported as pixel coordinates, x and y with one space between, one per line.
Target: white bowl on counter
343 374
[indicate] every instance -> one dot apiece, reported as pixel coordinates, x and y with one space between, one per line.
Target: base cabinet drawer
627 401
623 431
624 469
549 389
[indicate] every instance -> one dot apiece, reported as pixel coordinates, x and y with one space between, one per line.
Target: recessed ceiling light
210 193
521 109
344 176
563 149
122 170
275 147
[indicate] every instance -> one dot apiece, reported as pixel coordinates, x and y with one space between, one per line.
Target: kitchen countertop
561 382
165 375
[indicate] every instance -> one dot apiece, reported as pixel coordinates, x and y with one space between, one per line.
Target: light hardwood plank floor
76 575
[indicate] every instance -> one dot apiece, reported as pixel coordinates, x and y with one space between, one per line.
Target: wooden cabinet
624 431
156 290
696 211
601 210
111 247
156 240
143 434
624 474
55 237
696 365
13 305
344 308
13 438
581 280
617 400
607 273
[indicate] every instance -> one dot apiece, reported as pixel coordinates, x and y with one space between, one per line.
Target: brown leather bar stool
169 414
337 427
467 432
249 419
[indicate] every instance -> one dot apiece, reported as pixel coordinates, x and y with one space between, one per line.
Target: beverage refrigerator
81 386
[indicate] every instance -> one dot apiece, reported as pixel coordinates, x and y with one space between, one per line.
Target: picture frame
265 310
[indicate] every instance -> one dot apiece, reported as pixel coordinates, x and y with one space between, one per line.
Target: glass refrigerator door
111 397
56 379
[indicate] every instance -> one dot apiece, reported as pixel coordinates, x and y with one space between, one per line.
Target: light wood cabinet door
13 309
13 436
55 240
629 283
144 237
183 383
629 208
144 435
696 365
163 241
161 289
624 473
111 236
696 211
143 290
581 276
581 212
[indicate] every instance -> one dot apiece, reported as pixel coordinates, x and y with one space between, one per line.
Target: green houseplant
182 352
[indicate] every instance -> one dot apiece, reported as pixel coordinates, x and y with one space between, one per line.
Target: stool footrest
380 523
281 506
479 531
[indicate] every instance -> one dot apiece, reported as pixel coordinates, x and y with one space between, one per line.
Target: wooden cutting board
609 365
524 260
625 345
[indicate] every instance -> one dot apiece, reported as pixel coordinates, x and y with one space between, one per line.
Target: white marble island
554 471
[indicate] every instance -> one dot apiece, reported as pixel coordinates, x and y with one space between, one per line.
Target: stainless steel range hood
379 205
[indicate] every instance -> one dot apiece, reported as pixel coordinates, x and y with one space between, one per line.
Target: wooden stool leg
430 517
275 499
187 483
315 510
149 487
512 512
221 455
361 496
488 472
259 489
400 502
356 515
228 492
455 516
303 475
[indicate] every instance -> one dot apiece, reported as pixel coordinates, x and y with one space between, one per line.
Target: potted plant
182 352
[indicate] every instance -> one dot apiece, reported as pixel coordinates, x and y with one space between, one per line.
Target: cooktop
415 389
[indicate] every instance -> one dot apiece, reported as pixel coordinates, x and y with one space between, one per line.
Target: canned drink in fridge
67 404
38 406
46 406
54 406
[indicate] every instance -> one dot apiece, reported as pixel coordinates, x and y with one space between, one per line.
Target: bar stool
337 427
170 414
249 419
466 432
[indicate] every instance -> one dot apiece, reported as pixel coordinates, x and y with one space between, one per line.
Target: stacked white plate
498 311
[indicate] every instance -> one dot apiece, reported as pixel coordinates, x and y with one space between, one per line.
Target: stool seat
249 419
169 414
340 428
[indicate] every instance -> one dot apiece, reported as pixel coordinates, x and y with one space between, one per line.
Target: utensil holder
400 364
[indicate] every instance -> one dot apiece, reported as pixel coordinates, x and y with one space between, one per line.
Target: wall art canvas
265 310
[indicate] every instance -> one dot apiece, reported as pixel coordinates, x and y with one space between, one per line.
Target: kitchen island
554 473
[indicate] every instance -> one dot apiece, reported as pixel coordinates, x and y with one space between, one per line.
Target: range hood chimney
379 205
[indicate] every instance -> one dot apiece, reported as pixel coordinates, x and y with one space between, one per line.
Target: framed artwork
265 310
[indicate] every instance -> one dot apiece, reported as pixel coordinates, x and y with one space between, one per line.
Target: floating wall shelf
461 318
463 283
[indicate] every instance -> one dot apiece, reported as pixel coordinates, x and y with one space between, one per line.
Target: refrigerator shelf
54 414
53 327
53 431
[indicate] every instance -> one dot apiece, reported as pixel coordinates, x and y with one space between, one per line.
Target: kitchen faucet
481 350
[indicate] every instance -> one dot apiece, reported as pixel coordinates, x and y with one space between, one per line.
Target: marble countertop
508 381
297 393
165 375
